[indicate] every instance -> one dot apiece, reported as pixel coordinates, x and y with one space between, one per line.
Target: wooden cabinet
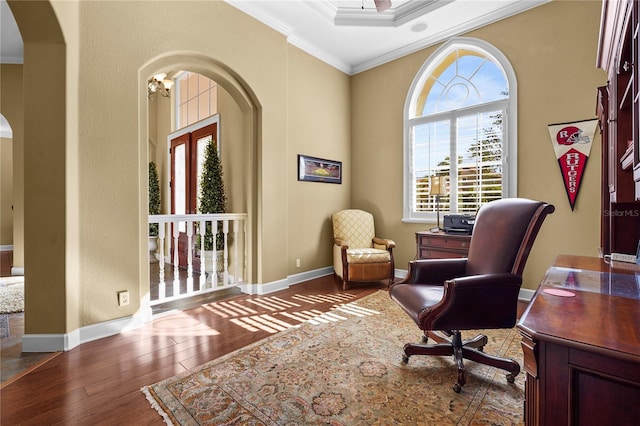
581 349
618 109
438 245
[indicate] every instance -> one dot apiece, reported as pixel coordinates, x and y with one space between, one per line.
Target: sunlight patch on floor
282 314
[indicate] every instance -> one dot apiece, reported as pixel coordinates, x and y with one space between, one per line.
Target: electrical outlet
123 298
297 263
621 257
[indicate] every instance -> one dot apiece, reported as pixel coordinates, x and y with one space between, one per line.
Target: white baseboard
264 288
17 270
45 342
89 333
274 286
400 273
68 341
309 275
283 284
526 295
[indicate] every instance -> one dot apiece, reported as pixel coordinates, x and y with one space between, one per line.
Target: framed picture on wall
314 169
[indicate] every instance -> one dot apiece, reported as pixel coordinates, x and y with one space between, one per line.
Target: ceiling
350 35
11 51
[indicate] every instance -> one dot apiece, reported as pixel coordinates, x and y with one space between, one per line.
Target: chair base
471 349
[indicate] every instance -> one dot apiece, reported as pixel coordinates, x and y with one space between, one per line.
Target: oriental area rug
347 370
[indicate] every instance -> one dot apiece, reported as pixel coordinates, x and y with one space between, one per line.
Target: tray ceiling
350 35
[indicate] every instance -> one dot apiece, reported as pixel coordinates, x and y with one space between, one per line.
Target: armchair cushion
367 255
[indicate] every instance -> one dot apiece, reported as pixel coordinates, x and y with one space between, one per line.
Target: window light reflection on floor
282 314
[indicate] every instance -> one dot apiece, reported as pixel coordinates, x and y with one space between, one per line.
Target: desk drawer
441 246
429 253
444 242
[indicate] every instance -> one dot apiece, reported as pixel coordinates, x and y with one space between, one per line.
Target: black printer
459 223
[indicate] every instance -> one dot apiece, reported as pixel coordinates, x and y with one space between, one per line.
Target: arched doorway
241 114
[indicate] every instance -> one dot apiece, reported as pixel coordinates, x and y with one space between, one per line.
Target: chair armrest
342 244
388 244
475 302
434 271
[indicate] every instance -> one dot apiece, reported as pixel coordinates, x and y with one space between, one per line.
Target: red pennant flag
572 165
572 145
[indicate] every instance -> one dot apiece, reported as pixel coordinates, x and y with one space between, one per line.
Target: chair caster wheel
481 349
457 388
511 378
405 359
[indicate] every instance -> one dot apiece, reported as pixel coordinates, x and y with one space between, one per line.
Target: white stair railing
181 243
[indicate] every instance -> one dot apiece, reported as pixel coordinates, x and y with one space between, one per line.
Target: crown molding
389 18
253 9
465 27
319 53
406 13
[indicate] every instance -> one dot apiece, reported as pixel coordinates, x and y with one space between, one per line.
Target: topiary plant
212 197
154 197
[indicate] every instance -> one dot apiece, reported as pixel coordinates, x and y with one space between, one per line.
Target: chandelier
158 84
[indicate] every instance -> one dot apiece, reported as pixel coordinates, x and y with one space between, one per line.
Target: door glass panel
201 148
180 182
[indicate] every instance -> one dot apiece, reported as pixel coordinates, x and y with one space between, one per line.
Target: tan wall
319 126
235 178
12 108
557 80
47 144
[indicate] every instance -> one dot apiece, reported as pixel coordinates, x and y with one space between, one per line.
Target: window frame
509 154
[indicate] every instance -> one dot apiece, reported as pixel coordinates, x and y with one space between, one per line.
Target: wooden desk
438 245
582 352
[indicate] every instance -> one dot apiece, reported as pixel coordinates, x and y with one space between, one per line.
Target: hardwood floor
14 361
99 382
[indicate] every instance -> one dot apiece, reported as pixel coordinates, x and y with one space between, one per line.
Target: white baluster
161 284
189 257
245 245
235 251
176 261
225 261
203 263
214 257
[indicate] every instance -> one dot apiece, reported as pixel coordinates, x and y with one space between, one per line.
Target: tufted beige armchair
357 254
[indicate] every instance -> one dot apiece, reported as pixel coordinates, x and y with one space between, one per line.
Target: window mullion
453 172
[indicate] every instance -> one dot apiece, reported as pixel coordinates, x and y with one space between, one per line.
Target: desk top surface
584 301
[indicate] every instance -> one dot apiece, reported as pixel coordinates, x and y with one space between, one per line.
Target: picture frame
314 169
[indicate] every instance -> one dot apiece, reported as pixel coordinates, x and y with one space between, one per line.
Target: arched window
460 123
